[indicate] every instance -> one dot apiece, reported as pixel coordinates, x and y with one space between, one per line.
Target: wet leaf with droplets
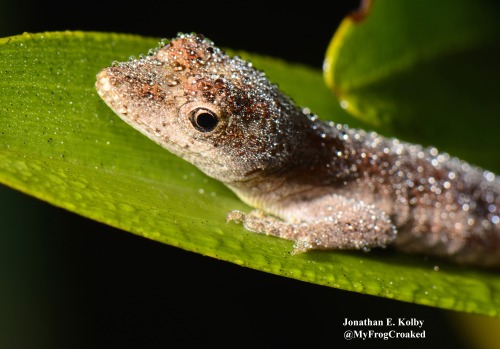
60 142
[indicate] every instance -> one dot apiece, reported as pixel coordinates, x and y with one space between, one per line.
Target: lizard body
322 185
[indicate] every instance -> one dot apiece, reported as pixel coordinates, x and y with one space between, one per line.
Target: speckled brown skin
322 185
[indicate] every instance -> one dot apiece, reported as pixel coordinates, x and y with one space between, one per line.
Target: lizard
323 185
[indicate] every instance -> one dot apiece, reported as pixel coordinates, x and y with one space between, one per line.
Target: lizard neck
317 162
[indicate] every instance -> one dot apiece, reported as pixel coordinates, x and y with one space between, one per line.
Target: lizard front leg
330 222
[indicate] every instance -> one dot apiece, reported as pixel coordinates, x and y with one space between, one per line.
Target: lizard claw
236 216
301 246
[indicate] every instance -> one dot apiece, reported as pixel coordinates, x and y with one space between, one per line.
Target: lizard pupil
204 120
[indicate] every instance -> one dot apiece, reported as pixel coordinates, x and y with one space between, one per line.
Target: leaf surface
60 142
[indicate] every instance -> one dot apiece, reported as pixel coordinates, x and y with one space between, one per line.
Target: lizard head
216 112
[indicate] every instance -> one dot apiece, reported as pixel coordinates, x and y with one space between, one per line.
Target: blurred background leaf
424 71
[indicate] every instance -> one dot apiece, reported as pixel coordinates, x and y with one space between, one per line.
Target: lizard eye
204 120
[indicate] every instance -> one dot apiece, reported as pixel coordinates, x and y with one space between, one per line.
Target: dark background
68 282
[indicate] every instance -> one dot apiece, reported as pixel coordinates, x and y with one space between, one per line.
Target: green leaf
426 71
61 143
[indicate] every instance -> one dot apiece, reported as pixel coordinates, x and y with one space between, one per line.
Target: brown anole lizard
322 185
